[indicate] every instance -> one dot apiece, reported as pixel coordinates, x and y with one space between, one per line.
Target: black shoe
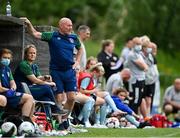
66 124
76 121
144 124
17 120
26 118
61 127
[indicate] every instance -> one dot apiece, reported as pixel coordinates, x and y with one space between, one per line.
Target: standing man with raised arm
62 64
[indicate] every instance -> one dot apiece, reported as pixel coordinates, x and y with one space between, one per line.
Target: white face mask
138 48
148 50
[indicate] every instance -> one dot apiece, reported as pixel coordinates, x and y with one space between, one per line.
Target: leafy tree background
114 19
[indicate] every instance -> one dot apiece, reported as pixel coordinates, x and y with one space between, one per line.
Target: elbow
35 34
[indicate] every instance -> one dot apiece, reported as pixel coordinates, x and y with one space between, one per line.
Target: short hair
129 38
27 49
106 43
83 28
5 51
119 90
177 80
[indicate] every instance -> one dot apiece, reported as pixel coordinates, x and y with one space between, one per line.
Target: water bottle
8 9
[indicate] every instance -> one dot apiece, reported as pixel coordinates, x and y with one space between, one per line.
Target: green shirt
29 69
46 36
11 76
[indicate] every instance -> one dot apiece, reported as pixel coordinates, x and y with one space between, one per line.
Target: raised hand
26 20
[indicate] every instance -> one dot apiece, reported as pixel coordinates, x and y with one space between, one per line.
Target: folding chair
39 105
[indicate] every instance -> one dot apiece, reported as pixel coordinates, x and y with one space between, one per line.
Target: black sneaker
144 124
26 118
76 121
66 124
61 127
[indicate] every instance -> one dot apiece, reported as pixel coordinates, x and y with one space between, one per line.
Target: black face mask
125 79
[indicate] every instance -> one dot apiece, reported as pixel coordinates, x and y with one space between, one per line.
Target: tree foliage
115 19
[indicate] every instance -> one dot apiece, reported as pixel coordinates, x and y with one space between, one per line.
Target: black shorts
14 100
149 90
137 95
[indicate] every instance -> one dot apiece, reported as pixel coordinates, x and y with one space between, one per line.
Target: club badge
18 93
71 40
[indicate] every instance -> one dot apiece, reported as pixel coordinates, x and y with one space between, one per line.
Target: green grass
154 132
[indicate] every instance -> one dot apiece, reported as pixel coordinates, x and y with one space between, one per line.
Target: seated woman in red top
88 86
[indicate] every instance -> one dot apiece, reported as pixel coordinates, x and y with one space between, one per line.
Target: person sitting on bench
8 87
40 86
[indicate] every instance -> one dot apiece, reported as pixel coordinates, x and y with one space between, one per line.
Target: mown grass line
153 132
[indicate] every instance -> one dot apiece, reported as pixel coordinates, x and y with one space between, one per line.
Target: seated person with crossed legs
87 86
28 72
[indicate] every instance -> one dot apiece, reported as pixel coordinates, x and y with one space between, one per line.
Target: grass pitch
149 132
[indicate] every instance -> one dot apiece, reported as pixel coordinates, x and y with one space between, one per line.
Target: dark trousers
149 92
137 95
44 93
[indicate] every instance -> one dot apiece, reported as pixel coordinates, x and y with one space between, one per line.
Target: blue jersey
120 105
5 76
61 49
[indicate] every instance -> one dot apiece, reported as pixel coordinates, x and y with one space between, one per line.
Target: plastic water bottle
8 9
